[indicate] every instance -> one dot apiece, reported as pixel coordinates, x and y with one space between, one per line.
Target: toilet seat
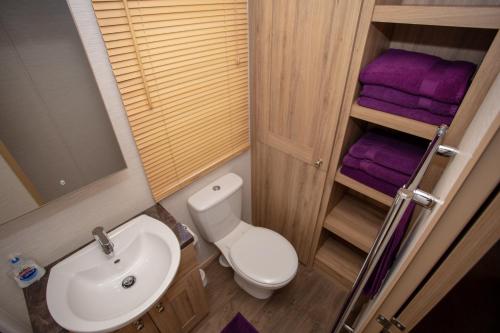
264 257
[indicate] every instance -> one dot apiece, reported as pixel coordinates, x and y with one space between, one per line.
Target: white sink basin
85 292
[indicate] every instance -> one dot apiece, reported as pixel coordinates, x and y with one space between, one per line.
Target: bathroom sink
93 292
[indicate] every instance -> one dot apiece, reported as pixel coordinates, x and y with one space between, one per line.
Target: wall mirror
55 134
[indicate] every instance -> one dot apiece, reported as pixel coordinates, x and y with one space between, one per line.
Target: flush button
216 188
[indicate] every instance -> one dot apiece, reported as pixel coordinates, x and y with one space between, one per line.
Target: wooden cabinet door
183 306
300 55
164 317
143 325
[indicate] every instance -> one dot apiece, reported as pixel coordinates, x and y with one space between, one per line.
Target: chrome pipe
399 206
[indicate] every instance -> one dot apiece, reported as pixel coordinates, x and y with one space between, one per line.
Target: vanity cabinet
183 305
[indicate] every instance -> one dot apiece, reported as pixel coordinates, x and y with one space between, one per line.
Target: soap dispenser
25 271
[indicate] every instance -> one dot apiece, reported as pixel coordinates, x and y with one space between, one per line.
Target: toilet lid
264 256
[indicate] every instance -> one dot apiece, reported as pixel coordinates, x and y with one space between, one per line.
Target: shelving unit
339 261
450 16
402 124
355 221
363 189
352 213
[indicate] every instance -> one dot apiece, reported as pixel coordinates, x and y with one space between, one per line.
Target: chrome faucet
102 238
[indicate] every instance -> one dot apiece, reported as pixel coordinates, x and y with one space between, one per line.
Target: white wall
65 224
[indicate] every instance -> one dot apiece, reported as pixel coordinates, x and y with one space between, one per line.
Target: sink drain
128 282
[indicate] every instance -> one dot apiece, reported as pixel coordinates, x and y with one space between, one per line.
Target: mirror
55 134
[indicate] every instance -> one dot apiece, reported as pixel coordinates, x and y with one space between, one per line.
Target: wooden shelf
355 221
449 16
402 124
339 261
363 189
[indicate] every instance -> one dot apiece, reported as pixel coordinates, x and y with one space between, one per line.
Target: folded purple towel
401 154
420 74
376 170
401 98
417 114
370 181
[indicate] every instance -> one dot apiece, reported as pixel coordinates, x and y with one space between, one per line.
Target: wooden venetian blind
182 70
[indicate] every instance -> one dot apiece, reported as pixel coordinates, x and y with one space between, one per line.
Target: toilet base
252 289
223 261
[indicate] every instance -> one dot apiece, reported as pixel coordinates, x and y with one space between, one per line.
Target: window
182 69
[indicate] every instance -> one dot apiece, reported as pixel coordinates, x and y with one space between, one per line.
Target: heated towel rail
405 195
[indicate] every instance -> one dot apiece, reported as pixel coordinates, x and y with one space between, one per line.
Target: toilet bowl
262 259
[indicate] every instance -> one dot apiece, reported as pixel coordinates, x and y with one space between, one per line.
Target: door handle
388 324
159 307
139 324
318 163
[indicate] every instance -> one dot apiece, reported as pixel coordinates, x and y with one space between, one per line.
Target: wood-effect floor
310 303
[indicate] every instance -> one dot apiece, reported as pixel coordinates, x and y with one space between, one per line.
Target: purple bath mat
239 325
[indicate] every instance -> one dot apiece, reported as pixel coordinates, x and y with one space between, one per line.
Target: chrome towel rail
405 195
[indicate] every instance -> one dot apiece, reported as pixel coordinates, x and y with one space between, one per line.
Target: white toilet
262 259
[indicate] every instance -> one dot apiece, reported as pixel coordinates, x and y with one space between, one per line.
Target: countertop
41 320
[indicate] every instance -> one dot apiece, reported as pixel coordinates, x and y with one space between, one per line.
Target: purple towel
378 275
376 170
401 98
239 324
420 74
417 114
401 154
368 180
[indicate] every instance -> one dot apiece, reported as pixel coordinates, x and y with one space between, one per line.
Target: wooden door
300 54
478 240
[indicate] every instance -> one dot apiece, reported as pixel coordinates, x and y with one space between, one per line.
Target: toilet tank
216 208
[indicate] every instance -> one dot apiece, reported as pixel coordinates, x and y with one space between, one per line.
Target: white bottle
25 271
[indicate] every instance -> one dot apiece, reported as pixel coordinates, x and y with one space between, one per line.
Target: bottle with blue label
25 271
